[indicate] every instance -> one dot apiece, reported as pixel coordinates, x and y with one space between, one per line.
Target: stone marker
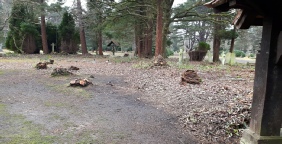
180 61
209 57
232 59
223 59
1 47
53 47
228 58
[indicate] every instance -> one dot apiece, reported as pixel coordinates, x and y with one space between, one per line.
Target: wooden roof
113 42
251 12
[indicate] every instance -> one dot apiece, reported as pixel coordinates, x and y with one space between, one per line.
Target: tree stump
60 72
73 68
50 62
80 82
160 61
41 65
190 76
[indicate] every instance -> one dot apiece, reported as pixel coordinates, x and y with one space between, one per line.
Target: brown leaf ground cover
214 111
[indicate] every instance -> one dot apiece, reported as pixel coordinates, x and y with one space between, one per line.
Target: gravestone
209 57
180 61
1 47
232 59
228 58
53 47
223 59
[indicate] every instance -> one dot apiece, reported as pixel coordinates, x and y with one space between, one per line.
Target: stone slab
249 137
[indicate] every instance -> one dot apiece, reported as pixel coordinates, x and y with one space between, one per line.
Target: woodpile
60 72
80 82
190 76
41 65
73 68
160 61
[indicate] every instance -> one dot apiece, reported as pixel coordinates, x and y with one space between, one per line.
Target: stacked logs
80 82
190 76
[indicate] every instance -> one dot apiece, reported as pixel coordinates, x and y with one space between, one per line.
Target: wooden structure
113 46
266 116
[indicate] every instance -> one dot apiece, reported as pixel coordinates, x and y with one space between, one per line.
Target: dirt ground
129 102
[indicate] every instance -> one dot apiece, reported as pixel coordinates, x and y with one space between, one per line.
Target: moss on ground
66 90
20 130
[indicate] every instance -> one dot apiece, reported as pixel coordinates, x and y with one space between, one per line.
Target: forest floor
129 101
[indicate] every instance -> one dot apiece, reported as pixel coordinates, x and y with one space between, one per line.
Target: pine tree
68 35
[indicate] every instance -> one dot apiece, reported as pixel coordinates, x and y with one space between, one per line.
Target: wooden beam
266 115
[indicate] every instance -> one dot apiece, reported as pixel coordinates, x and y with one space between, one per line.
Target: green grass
122 59
142 65
2 109
54 104
71 91
1 72
21 130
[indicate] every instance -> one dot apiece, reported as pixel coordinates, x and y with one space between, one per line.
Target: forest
148 28
124 71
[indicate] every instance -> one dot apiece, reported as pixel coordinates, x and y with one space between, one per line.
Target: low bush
239 53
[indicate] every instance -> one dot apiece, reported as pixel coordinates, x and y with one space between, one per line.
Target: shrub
129 49
168 52
203 46
252 55
239 53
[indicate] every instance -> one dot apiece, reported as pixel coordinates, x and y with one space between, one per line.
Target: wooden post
266 116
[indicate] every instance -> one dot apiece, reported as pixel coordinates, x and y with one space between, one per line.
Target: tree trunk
43 29
232 41
167 11
100 42
216 46
216 42
81 29
159 28
202 32
232 45
150 38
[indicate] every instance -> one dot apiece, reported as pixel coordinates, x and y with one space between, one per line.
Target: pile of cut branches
80 82
61 72
190 76
160 61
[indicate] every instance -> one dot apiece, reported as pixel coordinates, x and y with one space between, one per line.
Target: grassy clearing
1 72
18 60
70 91
54 104
142 65
21 130
2 109
122 59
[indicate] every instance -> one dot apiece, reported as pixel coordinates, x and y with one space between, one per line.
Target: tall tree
81 28
23 33
43 28
159 28
216 41
68 35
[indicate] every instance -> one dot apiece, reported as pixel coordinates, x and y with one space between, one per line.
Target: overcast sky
70 2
